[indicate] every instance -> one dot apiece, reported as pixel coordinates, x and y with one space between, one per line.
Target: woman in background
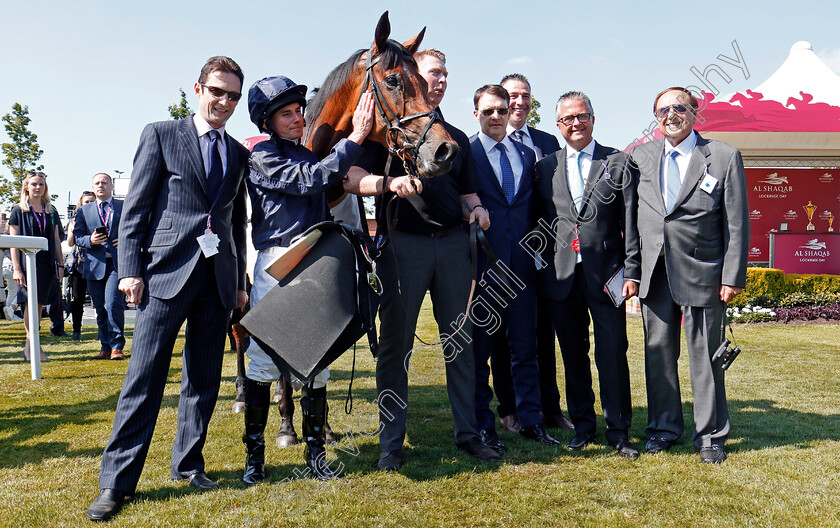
35 216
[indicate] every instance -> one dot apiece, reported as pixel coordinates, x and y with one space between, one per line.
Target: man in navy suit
543 144
182 258
97 231
586 193
504 171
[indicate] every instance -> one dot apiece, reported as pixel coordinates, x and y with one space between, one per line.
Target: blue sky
93 73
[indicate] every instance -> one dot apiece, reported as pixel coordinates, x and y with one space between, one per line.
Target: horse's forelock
393 55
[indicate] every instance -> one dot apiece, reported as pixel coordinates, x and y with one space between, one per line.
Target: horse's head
406 123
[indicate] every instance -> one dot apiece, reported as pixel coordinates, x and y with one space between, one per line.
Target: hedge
769 282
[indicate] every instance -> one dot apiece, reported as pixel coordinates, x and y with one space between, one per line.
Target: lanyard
107 216
41 220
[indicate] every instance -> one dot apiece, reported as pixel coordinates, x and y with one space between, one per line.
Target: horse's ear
383 31
413 44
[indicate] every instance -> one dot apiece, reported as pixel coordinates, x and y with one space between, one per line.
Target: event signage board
806 252
779 196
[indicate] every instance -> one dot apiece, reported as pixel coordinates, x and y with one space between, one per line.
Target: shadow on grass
28 423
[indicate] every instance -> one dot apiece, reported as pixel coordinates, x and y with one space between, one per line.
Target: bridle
408 151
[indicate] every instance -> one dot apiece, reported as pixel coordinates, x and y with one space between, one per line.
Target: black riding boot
313 403
256 415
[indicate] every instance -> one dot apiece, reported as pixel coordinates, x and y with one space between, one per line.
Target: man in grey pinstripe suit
182 258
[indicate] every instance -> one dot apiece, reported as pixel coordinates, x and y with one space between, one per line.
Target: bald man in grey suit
694 233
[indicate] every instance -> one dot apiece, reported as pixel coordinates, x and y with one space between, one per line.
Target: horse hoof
284 441
238 407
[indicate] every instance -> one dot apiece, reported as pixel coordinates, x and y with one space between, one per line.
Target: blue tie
576 181
672 181
214 178
508 187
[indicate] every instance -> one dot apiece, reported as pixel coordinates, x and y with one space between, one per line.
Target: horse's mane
391 57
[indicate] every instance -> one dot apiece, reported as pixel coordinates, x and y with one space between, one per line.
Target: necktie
672 181
508 187
214 178
517 135
576 181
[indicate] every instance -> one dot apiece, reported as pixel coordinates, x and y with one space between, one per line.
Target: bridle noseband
408 151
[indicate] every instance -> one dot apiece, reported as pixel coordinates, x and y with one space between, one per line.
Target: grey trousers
442 266
703 335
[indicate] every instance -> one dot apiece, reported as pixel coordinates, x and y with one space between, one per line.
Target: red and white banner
780 195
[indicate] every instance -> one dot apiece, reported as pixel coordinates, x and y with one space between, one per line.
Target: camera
727 353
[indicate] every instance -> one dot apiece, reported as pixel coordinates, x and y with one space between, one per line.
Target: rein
394 122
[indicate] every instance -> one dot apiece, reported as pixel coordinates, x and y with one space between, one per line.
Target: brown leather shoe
558 421
103 354
117 354
511 423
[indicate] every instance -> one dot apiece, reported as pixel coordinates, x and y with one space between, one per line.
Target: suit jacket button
667 220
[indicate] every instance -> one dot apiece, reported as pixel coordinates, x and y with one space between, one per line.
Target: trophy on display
809 210
830 221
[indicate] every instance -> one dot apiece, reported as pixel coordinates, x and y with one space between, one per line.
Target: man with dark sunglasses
694 233
587 193
504 169
181 258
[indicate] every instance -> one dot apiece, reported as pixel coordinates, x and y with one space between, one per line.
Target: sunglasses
219 93
663 112
36 173
569 120
489 111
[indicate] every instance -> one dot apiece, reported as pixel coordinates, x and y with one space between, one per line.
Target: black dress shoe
538 433
626 449
106 505
581 440
479 451
77 336
58 332
389 461
492 440
712 454
201 481
657 445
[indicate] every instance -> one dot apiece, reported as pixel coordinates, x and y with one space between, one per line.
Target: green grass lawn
783 468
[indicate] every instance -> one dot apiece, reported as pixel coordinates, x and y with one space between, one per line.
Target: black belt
444 232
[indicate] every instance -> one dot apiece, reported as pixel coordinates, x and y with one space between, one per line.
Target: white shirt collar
685 147
588 149
204 127
489 143
524 129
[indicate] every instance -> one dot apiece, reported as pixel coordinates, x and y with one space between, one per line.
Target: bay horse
406 124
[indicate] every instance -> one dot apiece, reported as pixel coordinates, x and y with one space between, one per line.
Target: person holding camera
96 231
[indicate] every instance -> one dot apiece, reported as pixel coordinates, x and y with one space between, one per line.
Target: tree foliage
20 155
182 109
533 116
